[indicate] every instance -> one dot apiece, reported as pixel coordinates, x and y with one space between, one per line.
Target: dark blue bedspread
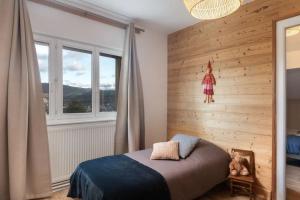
293 144
117 178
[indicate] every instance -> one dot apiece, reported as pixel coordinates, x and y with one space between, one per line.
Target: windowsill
80 121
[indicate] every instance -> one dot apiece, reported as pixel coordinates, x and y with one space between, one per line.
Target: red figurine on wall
208 83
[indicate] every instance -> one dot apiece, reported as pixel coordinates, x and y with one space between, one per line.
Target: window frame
118 71
51 73
55 65
60 46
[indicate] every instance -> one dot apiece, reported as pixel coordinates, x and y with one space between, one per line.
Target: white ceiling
166 16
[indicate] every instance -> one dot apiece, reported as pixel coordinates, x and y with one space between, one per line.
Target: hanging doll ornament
208 83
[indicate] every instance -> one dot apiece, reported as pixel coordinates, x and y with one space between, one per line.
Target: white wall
292 51
292 59
152 52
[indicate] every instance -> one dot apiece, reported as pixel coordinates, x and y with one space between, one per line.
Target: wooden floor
293 178
219 193
293 182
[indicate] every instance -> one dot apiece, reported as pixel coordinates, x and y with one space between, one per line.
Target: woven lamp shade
212 9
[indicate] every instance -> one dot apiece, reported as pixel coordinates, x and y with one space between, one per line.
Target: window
42 51
109 76
79 81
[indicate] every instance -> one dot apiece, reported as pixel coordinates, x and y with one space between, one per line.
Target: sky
107 73
42 54
77 68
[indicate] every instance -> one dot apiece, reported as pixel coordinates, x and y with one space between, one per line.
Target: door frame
280 27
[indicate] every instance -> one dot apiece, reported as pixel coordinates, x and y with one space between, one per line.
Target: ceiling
166 16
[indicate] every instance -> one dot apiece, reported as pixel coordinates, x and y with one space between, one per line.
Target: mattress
190 178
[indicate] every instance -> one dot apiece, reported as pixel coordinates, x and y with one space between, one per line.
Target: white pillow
165 151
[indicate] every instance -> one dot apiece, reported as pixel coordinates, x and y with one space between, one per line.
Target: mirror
293 110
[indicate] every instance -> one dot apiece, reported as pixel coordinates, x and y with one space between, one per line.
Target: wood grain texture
242 46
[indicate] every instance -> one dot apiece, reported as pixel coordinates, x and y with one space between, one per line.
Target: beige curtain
130 130
24 153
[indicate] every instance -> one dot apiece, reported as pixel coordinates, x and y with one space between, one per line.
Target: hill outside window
79 80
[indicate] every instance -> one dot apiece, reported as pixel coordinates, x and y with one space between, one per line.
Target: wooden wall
242 47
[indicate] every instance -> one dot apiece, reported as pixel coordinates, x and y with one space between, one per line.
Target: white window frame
98 52
56 45
60 45
51 73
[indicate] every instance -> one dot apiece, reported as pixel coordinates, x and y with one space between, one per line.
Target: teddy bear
236 166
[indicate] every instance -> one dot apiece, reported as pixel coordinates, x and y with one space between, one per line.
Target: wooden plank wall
242 46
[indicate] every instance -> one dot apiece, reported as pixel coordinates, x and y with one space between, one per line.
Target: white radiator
71 144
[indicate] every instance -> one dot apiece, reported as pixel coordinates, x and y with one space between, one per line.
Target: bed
134 176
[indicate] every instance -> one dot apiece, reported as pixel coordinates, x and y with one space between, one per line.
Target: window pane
77 90
109 74
42 51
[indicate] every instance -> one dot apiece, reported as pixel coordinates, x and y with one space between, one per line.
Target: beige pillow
165 151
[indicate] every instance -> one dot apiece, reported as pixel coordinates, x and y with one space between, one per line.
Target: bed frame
293 156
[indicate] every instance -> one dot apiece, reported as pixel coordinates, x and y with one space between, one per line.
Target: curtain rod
84 13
